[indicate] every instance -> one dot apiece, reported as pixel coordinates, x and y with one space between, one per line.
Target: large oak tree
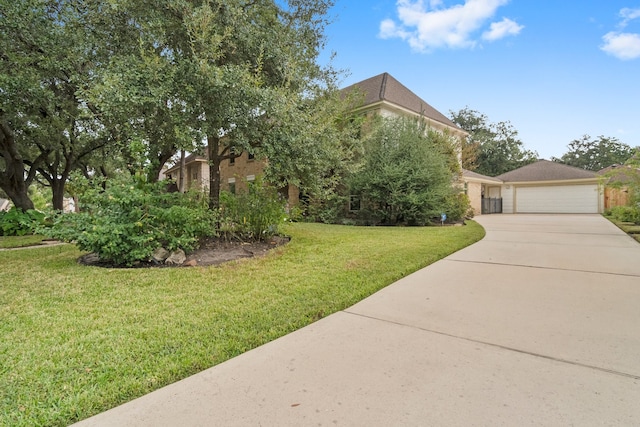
234 75
51 52
491 148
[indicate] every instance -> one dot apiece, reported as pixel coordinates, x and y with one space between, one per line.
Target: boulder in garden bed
176 258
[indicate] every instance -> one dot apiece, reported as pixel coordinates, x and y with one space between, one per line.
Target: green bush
16 222
457 207
127 221
330 210
625 214
255 214
406 174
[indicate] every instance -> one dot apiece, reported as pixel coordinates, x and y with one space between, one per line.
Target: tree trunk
214 172
57 190
182 172
20 199
12 179
161 159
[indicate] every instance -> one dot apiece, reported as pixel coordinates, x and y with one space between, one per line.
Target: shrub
625 214
330 210
406 174
457 207
255 214
125 222
16 222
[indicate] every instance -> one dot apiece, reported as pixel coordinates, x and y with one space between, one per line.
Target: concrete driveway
537 324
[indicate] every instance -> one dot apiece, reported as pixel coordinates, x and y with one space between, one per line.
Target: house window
251 156
232 185
354 203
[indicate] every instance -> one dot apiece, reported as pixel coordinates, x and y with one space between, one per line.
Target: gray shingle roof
471 174
385 87
620 173
545 170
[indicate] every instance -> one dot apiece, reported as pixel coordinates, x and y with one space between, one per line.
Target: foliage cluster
491 148
329 209
127 220
16 222
625 214
407 175
596 154
107 85
626 177
255 214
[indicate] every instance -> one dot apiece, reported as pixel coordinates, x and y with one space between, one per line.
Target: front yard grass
19 241
77 340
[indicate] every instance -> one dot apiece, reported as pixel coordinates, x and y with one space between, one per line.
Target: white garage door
557 199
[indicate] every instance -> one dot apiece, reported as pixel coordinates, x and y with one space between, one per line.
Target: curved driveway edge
537 324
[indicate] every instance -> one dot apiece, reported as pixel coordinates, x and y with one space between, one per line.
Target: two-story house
382 95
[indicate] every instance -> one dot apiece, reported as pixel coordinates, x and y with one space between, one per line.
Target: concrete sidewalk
537 324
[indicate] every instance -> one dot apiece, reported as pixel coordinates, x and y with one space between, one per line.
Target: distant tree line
494 148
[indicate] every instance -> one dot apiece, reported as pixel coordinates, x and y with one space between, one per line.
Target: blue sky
555 69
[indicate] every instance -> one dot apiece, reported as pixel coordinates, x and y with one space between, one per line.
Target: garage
551 187
557 199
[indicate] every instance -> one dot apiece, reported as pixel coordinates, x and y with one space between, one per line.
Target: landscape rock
160 255
190 263
176 258
89 259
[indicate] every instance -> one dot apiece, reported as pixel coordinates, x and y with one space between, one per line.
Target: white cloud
427 27
623 46
504 28
628 15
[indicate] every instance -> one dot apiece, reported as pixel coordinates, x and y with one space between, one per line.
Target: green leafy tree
240 76
50 53
491 148
406 175
596 154
138 96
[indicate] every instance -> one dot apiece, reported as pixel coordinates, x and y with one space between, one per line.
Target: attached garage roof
479 177
545 170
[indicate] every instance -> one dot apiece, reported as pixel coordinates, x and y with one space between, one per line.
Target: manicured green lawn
77 340
19 241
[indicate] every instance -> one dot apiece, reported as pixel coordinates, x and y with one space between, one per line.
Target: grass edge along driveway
77 340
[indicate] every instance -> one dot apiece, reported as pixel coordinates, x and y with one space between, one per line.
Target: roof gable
545 170
385 87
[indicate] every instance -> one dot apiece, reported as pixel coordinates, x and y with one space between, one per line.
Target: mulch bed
213 251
